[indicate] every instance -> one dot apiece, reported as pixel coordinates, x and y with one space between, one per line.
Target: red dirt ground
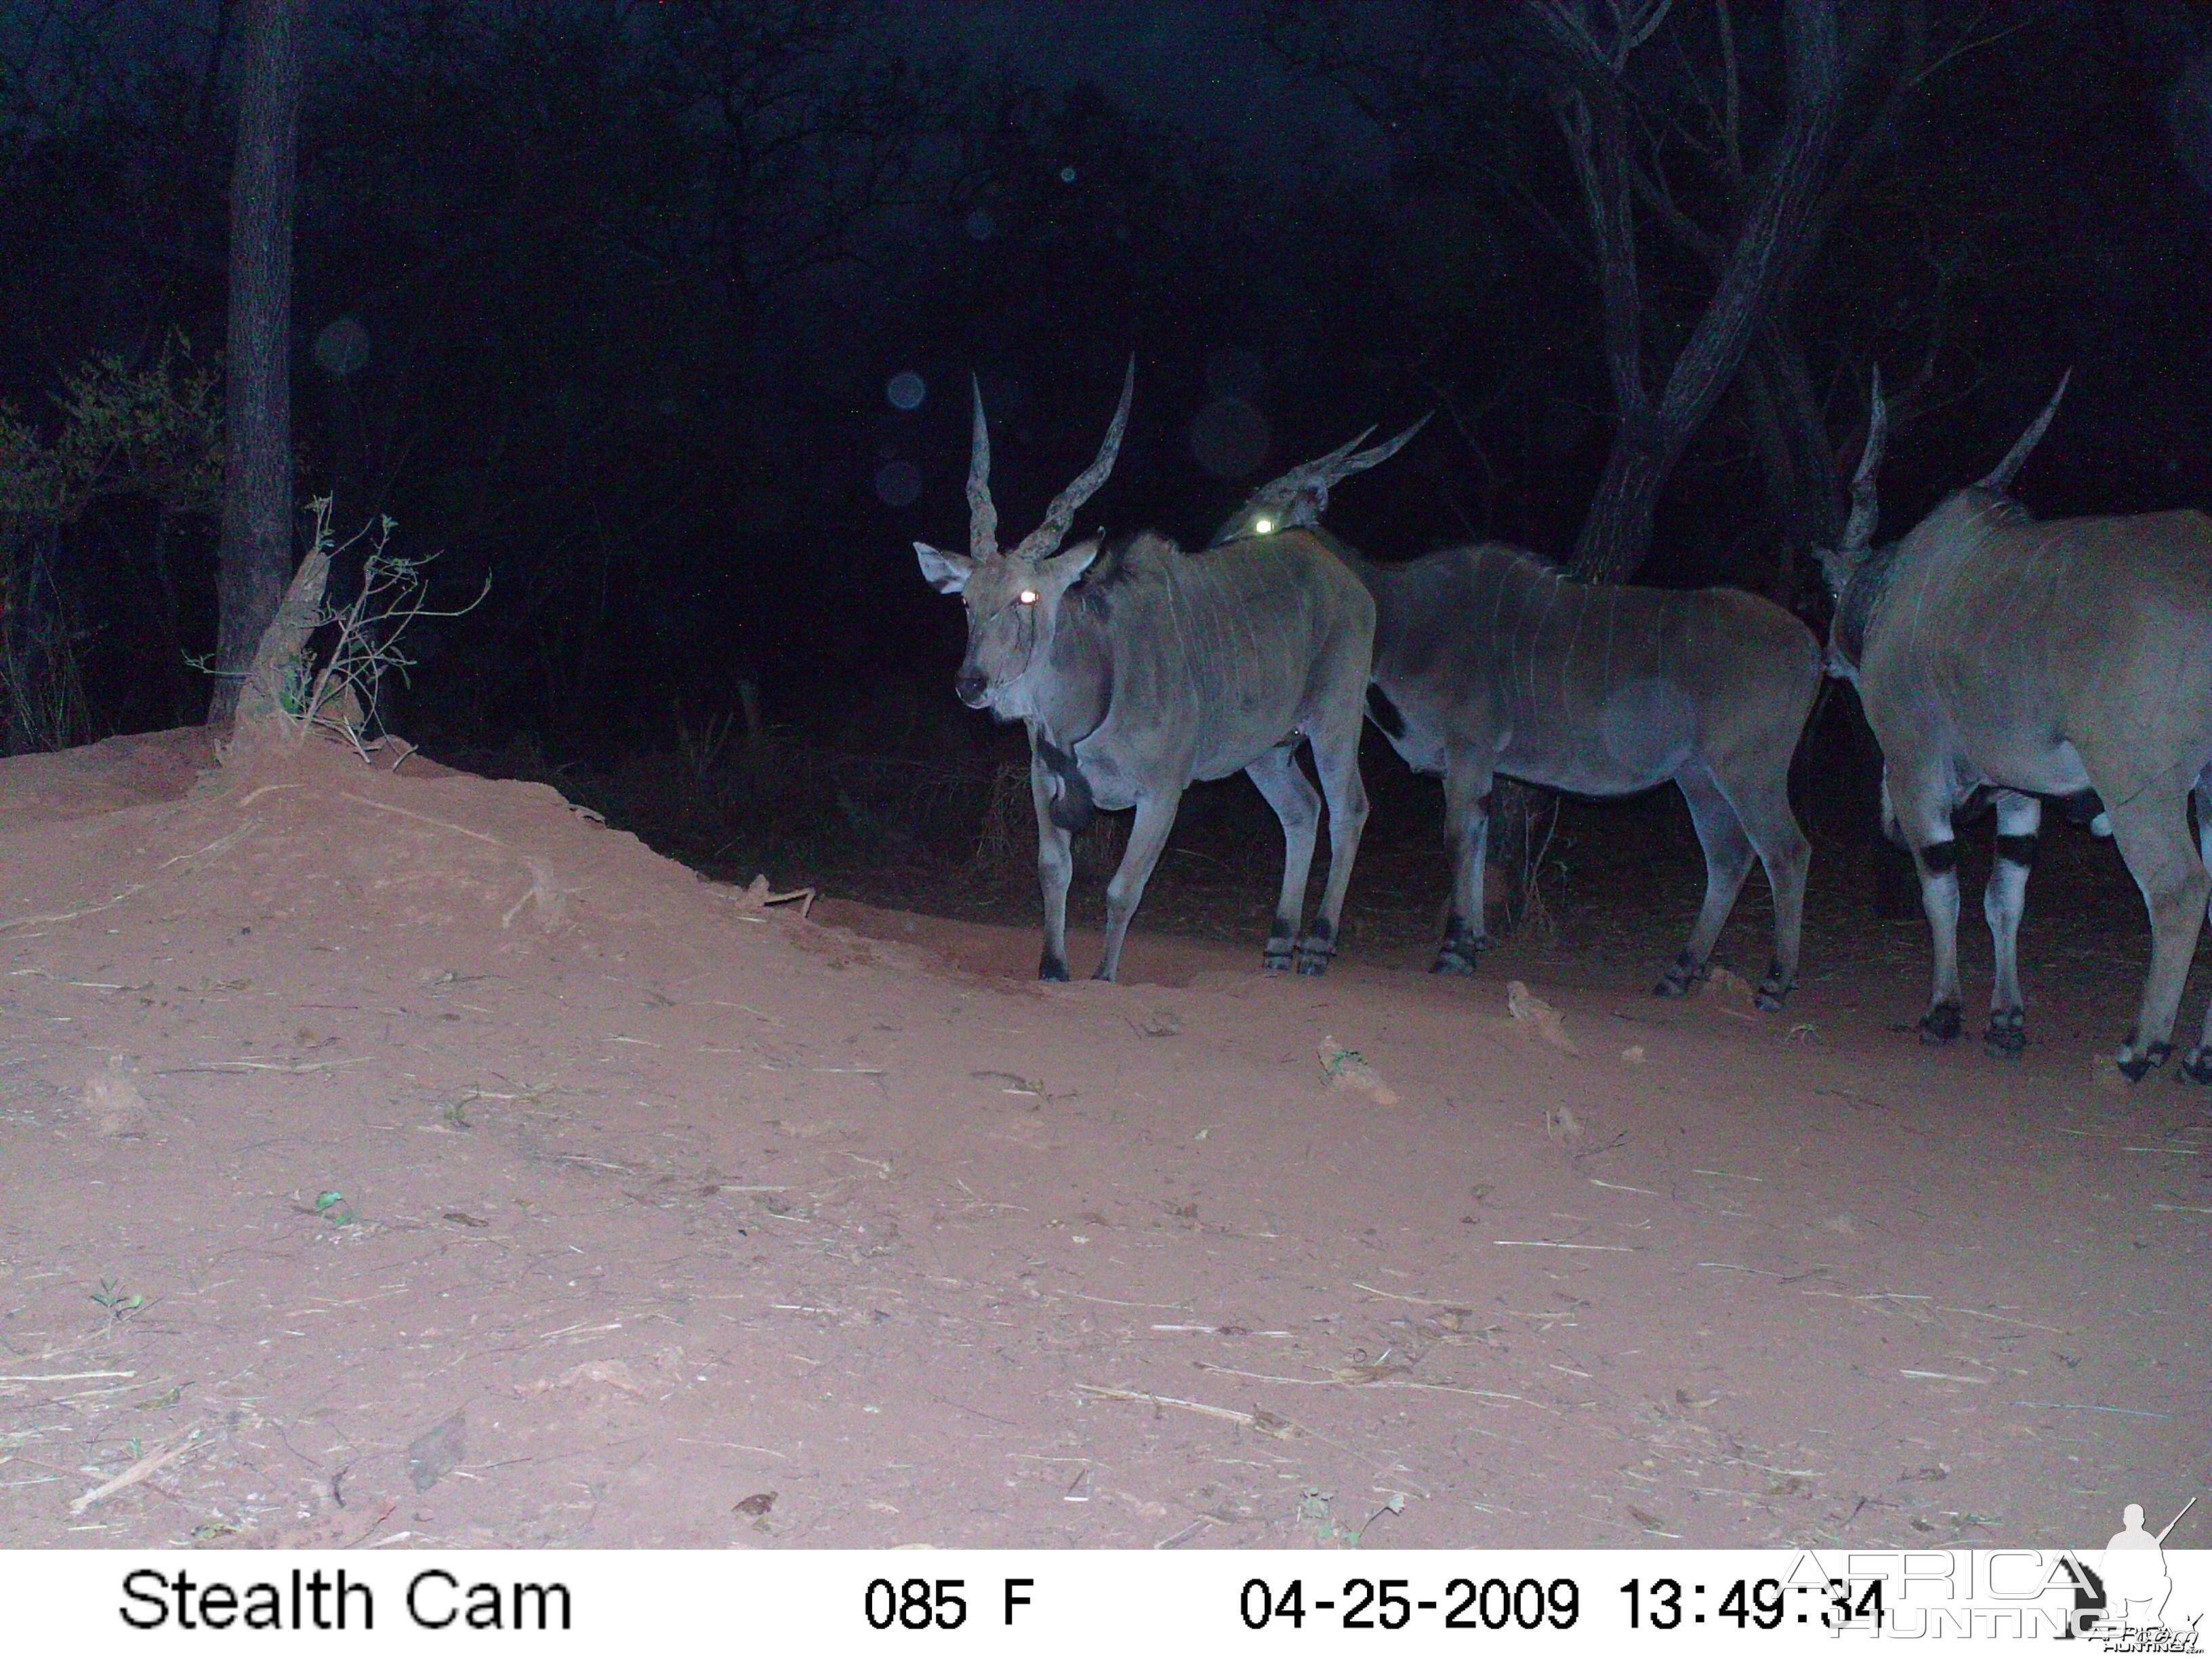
659 1219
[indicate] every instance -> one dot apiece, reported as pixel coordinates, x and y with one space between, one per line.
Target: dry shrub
1008 817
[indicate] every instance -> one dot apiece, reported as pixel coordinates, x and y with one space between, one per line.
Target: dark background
634 281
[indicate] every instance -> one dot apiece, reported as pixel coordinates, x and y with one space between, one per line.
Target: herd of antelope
1999 659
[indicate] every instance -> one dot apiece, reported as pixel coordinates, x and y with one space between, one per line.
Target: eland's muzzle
971 687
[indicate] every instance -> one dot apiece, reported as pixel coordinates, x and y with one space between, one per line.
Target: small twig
756 897
1136 1398
1347 1382
152 1463
382 1515
1426 1301
421 818
72 915
2070 1406
1975 1313
297 1068
1550 1244
225 843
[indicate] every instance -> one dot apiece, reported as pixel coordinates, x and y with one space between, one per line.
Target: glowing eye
1029 596
1263 525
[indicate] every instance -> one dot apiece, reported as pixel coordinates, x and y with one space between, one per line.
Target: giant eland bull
2069 660
1139 668
1488 660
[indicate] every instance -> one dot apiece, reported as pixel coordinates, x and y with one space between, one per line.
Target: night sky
631 288
1201 66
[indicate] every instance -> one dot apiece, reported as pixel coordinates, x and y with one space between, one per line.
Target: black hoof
1773 991
1052 968
1460 952
1681 974
2005 1036
1318 947
2195 1066
1940 1024
2133 1065
1275 959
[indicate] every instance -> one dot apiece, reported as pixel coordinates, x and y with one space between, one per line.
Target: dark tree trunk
1802 478
1802 484
1617 533
256 562
1783 212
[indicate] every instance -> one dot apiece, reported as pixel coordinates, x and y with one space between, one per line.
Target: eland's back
2003 633
1217 655
1600 690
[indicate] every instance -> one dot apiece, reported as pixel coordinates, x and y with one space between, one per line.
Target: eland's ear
1838 565
1068 565
947 573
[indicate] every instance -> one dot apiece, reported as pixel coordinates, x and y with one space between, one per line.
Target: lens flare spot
898 484
341 347
1229 437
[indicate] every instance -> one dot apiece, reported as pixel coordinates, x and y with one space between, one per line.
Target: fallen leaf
436 1454
1345 1069
1536 1016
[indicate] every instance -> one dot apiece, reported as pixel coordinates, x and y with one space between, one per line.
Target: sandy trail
411 1157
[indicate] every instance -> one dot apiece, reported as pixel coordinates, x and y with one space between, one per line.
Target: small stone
114 1107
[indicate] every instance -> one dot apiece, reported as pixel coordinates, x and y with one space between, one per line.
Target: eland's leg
1056 866
1336 759
1763 809
2152 830
1727 862
1283 784
2019 818
1936 861
2203 792
2197 1064
1156 815
1468 778
1919 818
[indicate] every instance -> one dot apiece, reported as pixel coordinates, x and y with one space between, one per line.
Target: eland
1139 669
1490 661
1998 656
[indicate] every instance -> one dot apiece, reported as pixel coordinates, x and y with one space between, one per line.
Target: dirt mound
320 845
105 777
